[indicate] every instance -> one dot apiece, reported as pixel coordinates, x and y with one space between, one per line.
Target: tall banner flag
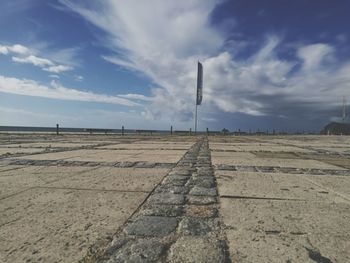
199 84
199 92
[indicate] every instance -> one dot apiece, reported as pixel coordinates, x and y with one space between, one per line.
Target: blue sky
268 64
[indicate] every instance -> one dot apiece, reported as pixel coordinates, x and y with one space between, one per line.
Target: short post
171 130
57 129
207 131
239 131
122 130
190 131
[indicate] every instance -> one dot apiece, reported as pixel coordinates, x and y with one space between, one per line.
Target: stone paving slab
244 161
280 209
334 149
333 184
154 145
322 141
55 155
171 156
268 185
17 180
51 225
248 147
52 144
4 167
286 231
110 178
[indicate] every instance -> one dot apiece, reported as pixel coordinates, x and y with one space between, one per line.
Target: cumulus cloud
25 55
166 44
17 48
57 91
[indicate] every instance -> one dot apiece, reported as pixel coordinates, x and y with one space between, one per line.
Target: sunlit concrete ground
55 213
281 217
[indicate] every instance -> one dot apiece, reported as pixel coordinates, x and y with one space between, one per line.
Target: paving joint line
67 163
276 169
260 198
90 189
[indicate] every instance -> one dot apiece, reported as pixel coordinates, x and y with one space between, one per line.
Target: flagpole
195 120
199 92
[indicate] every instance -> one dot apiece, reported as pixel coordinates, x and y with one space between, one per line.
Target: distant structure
338 128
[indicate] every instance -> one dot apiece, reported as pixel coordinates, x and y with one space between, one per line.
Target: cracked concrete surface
91 198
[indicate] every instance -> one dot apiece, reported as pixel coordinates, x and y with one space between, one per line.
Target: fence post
171 130
57 129
122 130
190 131
207 131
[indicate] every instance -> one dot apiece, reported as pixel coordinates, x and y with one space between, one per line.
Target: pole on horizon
57 129
195 120
344 109
199 92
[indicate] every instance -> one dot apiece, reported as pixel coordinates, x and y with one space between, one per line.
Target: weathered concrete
285 207
140 198
59 206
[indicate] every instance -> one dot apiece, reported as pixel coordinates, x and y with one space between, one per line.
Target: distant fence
122 131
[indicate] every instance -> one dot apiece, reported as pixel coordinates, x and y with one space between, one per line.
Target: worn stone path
178 222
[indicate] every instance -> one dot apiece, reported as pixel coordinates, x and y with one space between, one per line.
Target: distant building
335 128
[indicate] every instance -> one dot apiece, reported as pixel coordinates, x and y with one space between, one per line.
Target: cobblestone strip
179 222
274 169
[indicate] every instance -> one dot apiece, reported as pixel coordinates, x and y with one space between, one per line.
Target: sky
268 64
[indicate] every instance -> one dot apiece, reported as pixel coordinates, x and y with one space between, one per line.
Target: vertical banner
199 84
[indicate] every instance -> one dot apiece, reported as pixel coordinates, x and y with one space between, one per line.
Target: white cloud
54 76
165 45
58 69
136 97
34 60
17 48
78 78
57 91
66 56
25 55
314 55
